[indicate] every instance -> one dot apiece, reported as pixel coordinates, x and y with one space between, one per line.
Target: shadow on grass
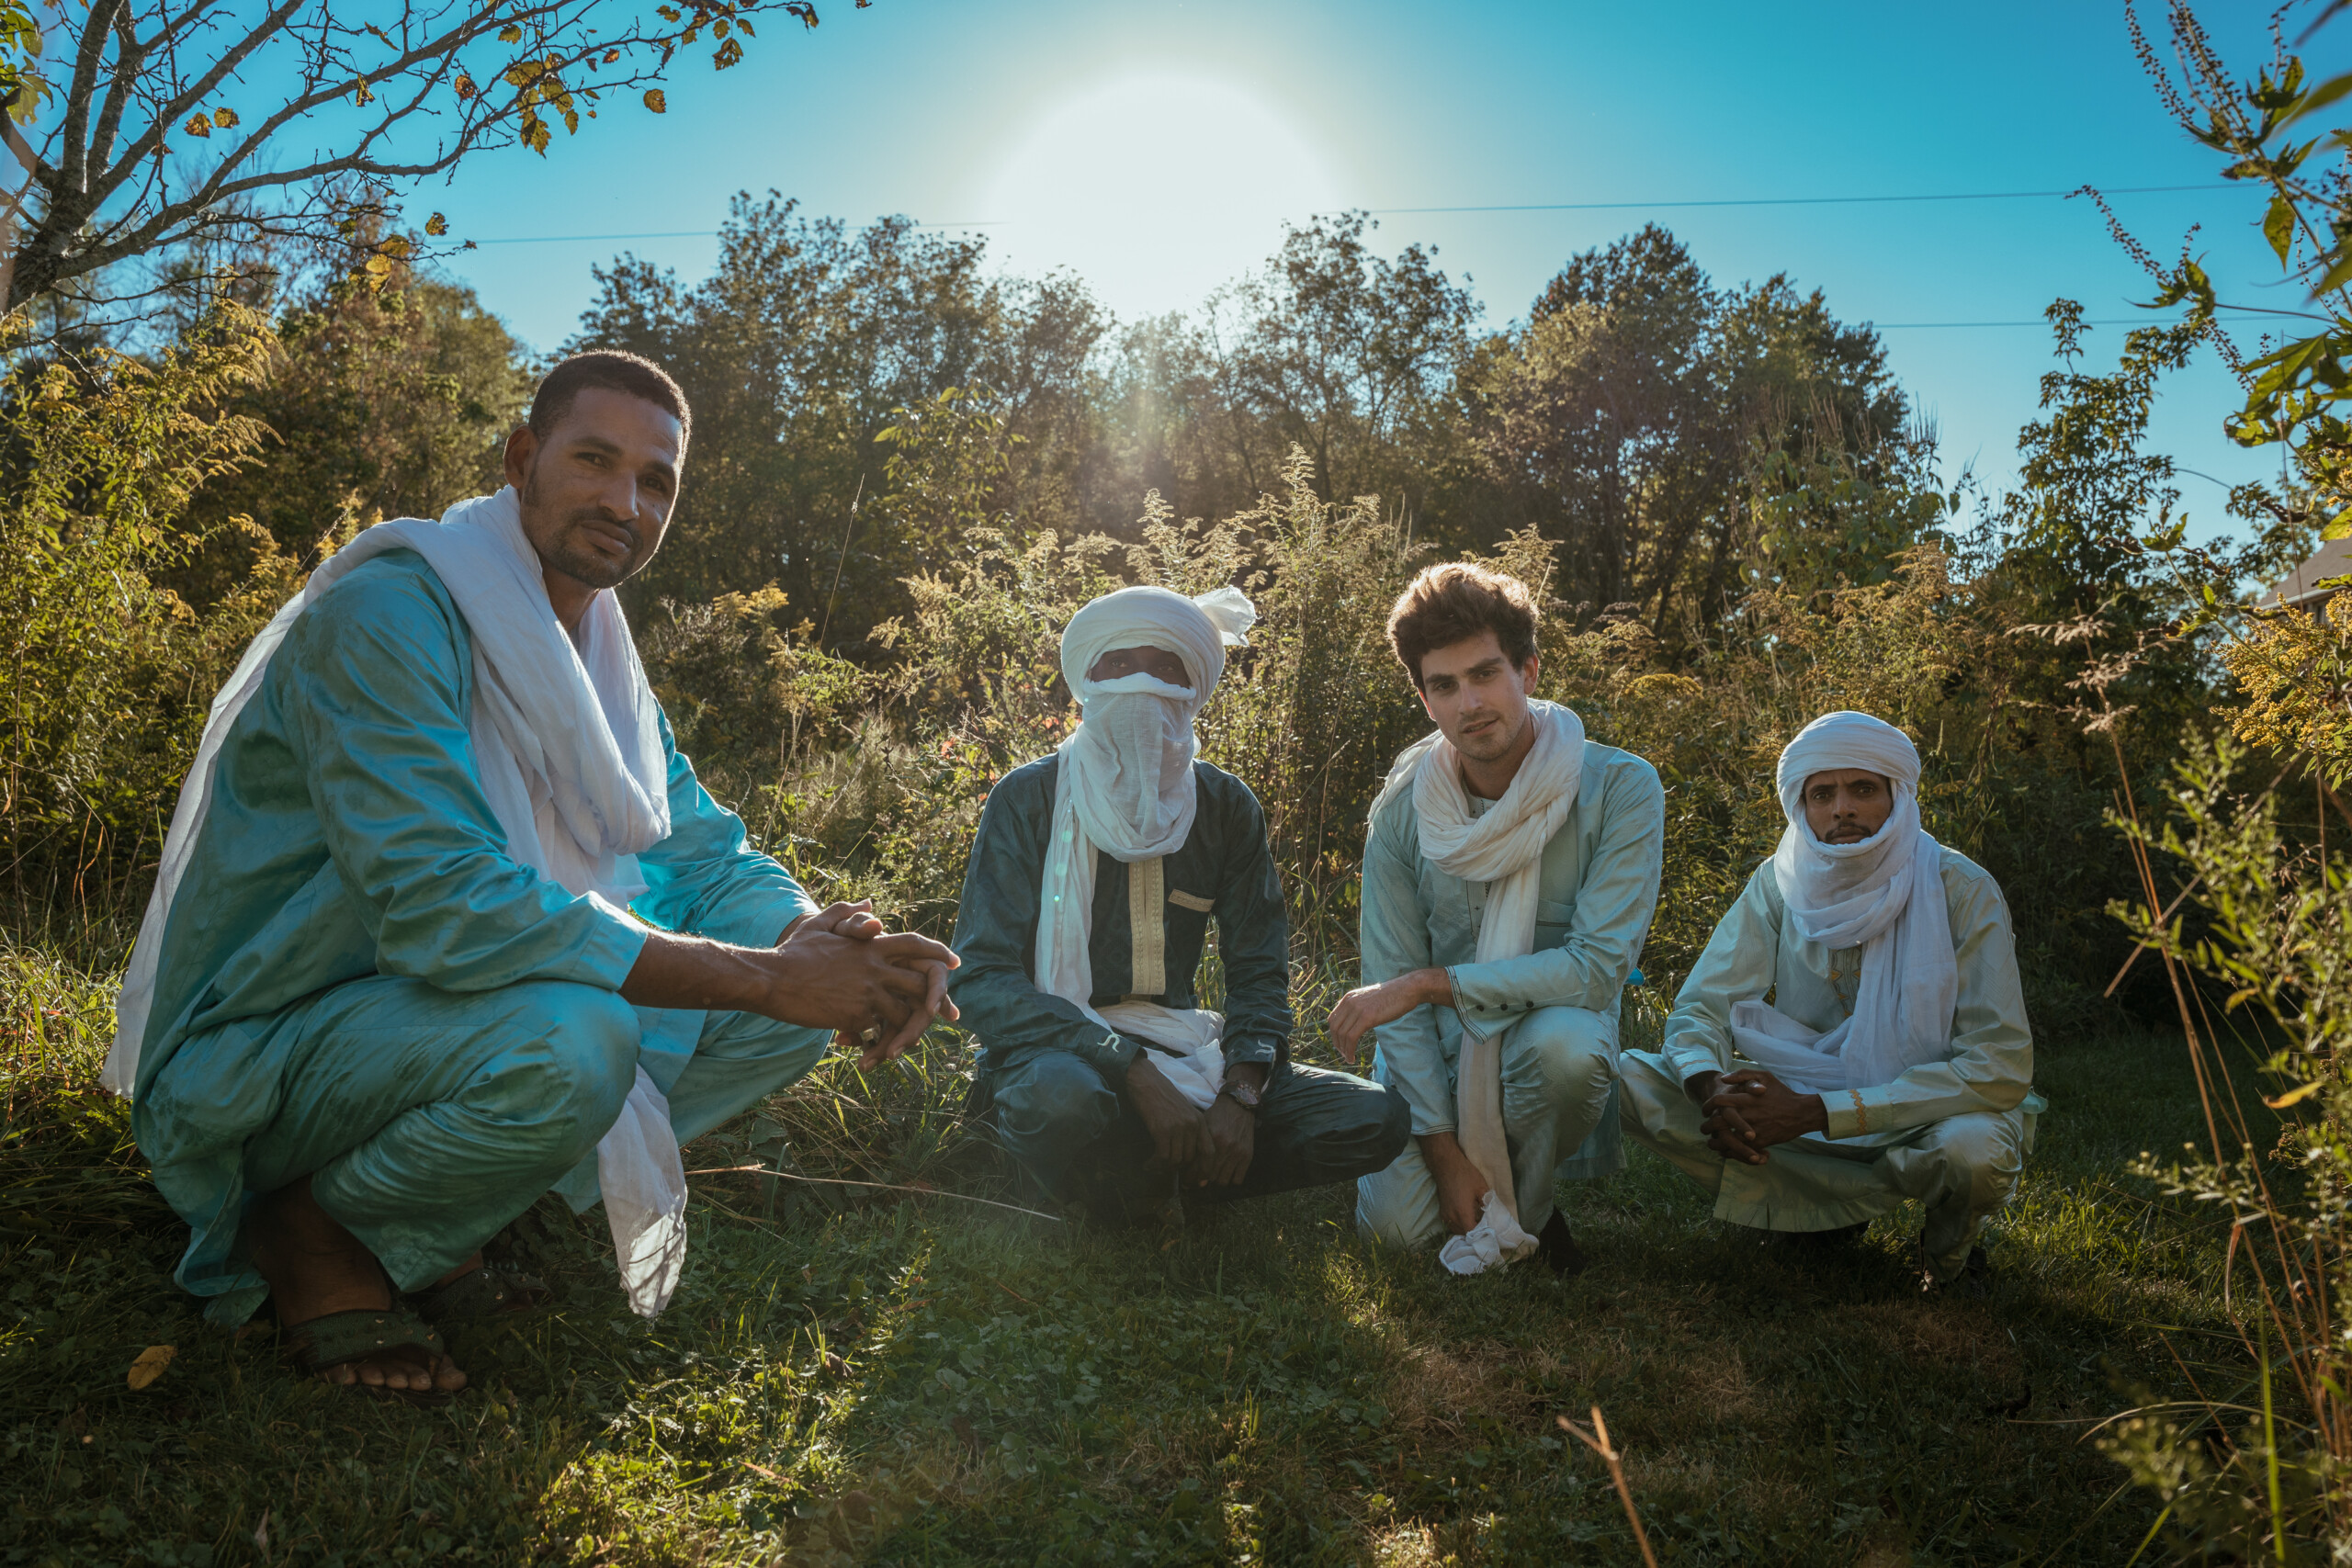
936 1381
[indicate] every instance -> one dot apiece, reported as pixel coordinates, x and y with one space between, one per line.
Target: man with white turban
1085 910
1509 879
1894 1059
445 920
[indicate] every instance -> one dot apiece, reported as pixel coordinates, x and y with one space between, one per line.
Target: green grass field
924 1380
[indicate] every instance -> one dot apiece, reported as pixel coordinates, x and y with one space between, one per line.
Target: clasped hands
833 968
1746 1112
1206 1148
876 992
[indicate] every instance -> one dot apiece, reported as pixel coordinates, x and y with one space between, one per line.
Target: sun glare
1155 189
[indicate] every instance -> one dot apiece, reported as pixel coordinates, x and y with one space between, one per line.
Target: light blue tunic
348 841
1597 891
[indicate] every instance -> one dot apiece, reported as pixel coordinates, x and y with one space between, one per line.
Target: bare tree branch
157 142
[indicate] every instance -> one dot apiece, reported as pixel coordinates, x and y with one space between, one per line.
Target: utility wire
1524 206
1785 200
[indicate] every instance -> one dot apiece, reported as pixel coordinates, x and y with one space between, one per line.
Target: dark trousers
1080 1137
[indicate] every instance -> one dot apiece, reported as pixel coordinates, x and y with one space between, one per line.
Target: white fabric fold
1884 894
568 737
1126 788
1503 847
1495 1242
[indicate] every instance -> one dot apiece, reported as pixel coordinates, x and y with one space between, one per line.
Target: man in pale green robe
1952 1132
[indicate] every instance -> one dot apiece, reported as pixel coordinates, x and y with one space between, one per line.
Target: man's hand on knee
1368 1007
1180 1134
1750 1110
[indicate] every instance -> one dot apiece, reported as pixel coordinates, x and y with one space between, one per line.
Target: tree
382 402
1342 353
804 343
170 122
1679 441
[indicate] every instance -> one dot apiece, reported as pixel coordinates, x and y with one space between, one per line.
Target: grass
854 1375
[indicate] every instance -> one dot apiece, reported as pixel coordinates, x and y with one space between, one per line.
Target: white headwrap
1885 895
568 737
1503 846
1126 788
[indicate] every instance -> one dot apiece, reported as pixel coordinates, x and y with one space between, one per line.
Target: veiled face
1155 662
1845 805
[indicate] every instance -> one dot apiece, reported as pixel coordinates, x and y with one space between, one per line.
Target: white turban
1885 895
1197 631
1126 788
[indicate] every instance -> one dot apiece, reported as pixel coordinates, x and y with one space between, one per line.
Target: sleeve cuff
1854 1111
1111 1056
615 940
1480 1021
1257 1048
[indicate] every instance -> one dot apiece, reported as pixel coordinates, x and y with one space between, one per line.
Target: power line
1523 207
1785 200
668 234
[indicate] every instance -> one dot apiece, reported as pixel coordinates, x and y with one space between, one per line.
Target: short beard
581 564
1502 747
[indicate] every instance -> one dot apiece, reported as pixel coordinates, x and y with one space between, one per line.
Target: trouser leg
711 1067
428 1119
1314 1127
1961 1169
739 1059
1559 1066
1657 1114
1056 1114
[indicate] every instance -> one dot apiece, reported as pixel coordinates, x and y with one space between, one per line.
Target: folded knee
1979 1153
1059 1096
564 1088
1382 1218
1562 1058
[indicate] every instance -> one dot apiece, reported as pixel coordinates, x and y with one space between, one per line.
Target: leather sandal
340 1337
481 1292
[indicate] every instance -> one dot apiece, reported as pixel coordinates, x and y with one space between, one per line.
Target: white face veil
1126 788
1885 895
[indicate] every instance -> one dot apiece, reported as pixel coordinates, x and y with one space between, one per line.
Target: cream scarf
1503 847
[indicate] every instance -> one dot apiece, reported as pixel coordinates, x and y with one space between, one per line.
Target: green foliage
2253 1469
1679 441
109 674
378 402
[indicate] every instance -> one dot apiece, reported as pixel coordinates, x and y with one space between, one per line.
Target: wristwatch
1241 1094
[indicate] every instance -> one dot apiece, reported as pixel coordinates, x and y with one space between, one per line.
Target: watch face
1244 1094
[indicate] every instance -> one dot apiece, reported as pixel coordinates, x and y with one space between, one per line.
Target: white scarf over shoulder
1885 895
1503 847
568 737
1126 789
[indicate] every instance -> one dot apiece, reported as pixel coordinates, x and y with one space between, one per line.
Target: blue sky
1155 149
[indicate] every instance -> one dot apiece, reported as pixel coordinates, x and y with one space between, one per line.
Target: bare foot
315 1267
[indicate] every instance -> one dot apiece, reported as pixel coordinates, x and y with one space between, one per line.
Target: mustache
627 525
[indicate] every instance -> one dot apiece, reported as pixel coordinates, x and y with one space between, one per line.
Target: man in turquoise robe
373 1035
